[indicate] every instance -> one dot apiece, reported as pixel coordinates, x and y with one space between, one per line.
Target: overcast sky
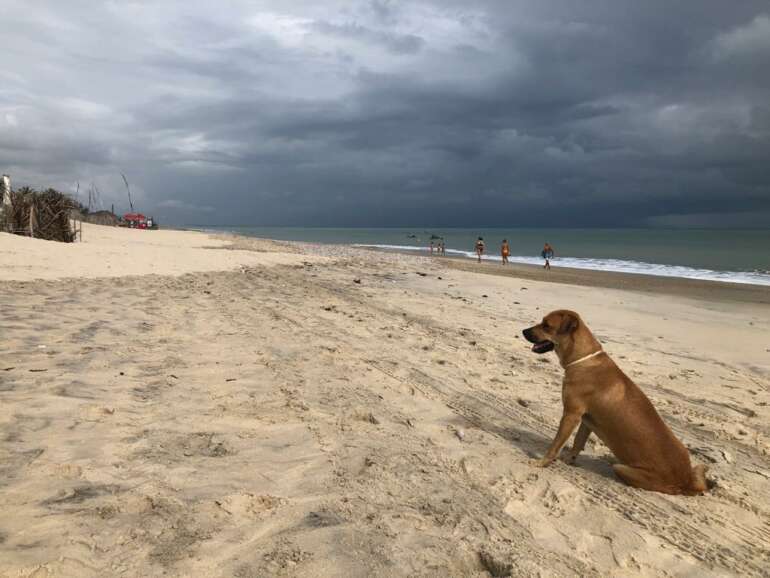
386 113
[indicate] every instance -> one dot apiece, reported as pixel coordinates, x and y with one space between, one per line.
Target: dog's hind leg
635 477
643 479
581 437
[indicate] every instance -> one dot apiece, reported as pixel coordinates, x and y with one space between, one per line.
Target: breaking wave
618 265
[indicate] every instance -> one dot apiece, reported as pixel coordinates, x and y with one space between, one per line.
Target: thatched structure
107 218
43 215
102 218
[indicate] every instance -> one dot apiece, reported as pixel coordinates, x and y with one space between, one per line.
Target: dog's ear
569 323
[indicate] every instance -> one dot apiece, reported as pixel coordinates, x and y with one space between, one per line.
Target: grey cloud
749 40
396 43
391 113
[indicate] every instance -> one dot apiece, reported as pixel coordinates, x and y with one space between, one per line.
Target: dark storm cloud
394 113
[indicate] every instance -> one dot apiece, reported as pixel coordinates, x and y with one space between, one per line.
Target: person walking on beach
505 250
547 254
431 248
442 248
480 248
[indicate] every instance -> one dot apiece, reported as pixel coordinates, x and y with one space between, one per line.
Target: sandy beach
181 404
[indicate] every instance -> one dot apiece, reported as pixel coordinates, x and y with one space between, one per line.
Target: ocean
734 255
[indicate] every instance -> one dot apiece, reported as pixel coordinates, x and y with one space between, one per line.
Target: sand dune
278 418
118 252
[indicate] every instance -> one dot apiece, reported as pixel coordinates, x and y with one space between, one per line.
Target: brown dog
599 397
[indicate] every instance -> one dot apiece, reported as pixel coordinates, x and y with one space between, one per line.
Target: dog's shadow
535 445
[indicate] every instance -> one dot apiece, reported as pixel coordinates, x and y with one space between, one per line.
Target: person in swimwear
547 254
480 248
505 250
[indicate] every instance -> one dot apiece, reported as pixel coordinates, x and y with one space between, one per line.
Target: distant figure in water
547 254
480 248
505 250
443 249
431 247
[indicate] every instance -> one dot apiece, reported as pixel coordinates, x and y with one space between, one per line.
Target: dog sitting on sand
600 398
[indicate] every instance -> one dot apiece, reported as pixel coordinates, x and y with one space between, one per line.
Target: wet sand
680 287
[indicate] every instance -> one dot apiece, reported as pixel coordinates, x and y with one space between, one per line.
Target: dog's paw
542 462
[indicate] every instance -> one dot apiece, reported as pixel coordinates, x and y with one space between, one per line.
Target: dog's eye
545 325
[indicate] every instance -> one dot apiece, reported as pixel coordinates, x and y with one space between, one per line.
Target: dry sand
280 418
114 252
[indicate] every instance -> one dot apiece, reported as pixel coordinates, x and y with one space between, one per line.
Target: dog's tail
699 484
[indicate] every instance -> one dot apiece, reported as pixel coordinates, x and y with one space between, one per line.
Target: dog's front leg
569 421
581 437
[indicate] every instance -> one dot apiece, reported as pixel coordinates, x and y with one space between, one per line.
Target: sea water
734 255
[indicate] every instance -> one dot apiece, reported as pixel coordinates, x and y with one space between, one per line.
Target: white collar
584 358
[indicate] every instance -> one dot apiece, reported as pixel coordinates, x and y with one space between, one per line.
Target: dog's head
553 331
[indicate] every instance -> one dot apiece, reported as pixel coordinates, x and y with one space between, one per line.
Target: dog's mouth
543 346
540 345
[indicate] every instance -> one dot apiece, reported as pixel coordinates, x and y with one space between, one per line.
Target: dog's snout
527 333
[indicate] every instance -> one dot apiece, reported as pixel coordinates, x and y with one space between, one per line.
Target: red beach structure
136 221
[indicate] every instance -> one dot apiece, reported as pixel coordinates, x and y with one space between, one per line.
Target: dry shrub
50 211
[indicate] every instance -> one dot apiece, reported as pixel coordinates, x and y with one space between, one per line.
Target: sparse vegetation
40 214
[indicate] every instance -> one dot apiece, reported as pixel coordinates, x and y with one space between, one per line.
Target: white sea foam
618 265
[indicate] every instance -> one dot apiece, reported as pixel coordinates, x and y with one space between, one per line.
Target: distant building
5 188
5 197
